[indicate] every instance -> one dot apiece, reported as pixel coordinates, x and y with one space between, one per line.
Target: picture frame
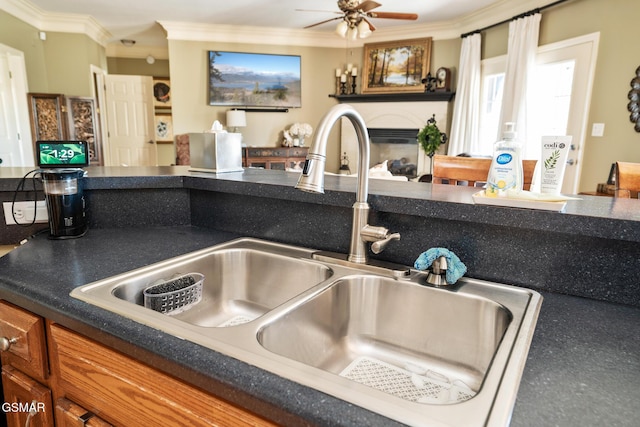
161 92
85 126
48 116
163 125
396 66
240 79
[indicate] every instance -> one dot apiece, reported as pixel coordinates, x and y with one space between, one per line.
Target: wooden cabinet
68 414
280 158
25 370
94 385
127 392
25 399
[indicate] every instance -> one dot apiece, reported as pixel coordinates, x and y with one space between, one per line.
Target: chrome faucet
312 180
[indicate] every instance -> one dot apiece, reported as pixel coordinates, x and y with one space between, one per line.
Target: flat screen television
254 80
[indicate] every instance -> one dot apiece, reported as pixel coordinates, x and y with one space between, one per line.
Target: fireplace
393 128
398 147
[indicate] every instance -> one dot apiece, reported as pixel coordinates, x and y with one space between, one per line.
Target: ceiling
138 19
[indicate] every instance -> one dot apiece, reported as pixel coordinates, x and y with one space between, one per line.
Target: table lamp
236 119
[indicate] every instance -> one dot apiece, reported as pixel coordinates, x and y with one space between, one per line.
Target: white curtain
466 113
521 59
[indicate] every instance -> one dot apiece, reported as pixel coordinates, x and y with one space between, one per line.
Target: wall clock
634 101
443 79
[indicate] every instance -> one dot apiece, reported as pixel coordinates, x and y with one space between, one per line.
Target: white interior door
15 135
565 73
131 136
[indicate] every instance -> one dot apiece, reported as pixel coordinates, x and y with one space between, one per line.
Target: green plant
430 138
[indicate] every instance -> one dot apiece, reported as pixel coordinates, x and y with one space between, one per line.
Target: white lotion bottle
555 150
505 173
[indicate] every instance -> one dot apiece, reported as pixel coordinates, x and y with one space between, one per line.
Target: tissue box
216 152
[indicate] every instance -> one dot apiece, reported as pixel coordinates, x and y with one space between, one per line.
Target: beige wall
59 64
191 112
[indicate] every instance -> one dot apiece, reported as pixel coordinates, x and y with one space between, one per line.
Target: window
557 105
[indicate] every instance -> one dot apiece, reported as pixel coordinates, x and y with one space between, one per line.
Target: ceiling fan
355 17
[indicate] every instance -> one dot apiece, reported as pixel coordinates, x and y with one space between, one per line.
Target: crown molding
189 31
56 22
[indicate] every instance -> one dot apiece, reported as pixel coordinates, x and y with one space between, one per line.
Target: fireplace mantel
396 97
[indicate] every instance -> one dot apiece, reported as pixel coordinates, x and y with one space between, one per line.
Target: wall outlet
597 129
23 212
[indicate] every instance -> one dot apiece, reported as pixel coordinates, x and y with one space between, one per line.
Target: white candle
343 78
354 71
338 72
349 67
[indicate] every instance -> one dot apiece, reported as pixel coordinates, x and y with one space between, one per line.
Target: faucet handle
379 245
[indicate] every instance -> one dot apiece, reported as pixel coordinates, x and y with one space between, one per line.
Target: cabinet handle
5 343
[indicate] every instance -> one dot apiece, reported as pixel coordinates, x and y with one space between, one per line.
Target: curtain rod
522 15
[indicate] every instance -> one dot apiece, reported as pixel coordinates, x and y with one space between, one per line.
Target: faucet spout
312 178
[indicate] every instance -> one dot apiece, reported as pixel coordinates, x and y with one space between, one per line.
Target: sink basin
240 285
364 325
370 335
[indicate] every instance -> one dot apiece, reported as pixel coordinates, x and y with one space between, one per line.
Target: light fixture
127 42
236 119
364 30
151 60
342 28
353 27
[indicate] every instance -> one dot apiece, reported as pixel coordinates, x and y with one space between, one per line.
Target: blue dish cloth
455 268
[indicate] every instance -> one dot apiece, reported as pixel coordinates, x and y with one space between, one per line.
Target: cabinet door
24 335
127 392
26 401
68 414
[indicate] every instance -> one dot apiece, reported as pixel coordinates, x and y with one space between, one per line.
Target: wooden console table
280 158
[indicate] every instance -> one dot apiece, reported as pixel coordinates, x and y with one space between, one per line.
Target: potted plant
430 139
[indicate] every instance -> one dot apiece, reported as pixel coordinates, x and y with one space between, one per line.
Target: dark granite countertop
592 216
583 367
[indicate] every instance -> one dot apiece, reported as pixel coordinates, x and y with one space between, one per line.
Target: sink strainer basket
175 295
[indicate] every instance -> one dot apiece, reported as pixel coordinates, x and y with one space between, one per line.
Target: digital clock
58 154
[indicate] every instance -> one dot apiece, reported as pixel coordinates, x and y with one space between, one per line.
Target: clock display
62 153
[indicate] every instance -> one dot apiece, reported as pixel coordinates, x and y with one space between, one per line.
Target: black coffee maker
63 190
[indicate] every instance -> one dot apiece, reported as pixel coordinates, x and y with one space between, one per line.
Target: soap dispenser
505 173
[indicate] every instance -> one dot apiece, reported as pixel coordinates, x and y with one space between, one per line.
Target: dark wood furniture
279 158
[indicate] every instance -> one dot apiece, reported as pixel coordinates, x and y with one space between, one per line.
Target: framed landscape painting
397 66
254 80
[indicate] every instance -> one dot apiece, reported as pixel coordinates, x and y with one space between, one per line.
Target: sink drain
429 387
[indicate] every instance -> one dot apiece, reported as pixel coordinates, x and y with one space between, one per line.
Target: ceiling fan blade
371 26
367 5
316 10
322 22
393 15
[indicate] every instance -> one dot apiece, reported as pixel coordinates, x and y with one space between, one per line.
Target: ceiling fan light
363 29
341 29
352 33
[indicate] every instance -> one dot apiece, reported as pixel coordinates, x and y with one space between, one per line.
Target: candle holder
353 85
343 88
337 85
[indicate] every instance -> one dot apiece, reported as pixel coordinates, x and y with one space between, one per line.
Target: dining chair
627 179
471 171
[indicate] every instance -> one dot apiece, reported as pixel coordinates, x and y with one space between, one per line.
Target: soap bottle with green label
505 173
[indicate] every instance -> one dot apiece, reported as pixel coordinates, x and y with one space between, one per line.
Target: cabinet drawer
298 152
24 332
26 399
68 414
123 391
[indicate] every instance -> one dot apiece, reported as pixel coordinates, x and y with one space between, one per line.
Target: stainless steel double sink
374 336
